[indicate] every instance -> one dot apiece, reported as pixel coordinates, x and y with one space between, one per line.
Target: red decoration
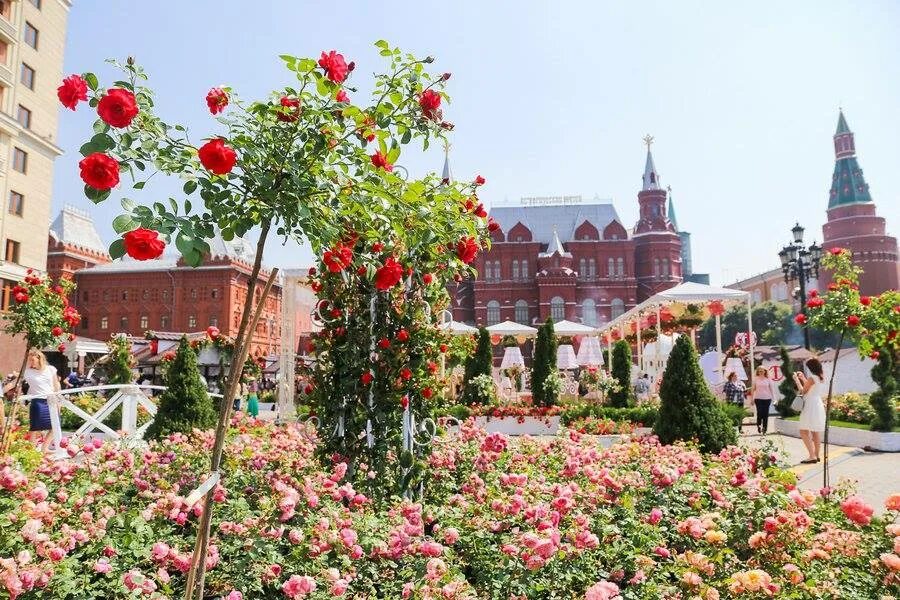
716 308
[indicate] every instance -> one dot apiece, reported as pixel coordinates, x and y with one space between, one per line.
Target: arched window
493 312
524 269
557 308
164 322
656 267
497 275
582 267
123 324
589 312
592 267
515 269
757 297
104 323
145 322
665 267
522 312
620 263
488 270
617 307
611 267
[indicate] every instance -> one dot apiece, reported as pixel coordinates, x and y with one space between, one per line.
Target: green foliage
884 400
479 363
645 415
544 366
772 322
482 390
787 387
40 311
184 405
621 372
120 363
689 410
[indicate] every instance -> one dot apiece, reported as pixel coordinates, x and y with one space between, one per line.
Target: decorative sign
742 339
550 200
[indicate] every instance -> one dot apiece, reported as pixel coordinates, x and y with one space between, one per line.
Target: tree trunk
197 574
6 435
837 352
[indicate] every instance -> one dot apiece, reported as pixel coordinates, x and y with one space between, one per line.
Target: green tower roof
848 186
672 218
842 124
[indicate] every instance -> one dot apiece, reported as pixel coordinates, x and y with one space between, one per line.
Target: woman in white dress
812 417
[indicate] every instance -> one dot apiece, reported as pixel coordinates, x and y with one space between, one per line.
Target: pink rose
299 586
655 516
102 566
857 510
602 590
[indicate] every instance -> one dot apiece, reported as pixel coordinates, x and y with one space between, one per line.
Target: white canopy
511 328
457 328
570 328
512 357
589 352
565 357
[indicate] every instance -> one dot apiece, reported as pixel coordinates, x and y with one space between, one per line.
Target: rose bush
526 519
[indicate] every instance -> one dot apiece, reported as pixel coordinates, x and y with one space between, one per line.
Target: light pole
800 263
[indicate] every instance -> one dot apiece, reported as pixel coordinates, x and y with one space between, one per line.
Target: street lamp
800 263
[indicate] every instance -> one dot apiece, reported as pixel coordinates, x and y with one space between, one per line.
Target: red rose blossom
366 378
405 374
57 331
217 157
836 251
118 107
143 244
467 250
427 278
427 393
342 96
430 102
335 68
338 258
216 100
402 335
852 321
875 354
21 298
99 171
388 275
479 180
212 331
73 89
815 302
61 348
865 300
289 116
404 402
800 319
380 161
384 343
493 225
480 211
377 247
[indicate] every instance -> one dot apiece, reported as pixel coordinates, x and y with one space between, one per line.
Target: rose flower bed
558 518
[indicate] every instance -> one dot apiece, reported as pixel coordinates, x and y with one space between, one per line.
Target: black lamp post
800 263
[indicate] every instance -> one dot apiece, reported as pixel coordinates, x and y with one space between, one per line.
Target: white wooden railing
129 396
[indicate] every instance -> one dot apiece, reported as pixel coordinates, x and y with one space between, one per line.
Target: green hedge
640 414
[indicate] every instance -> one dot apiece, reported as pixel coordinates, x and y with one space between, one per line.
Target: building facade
853 222
565 259
163 295
32 43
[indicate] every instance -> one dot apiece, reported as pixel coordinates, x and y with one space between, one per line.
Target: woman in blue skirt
42 381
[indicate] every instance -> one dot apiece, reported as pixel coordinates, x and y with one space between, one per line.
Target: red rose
73 89
212 331
852 321
61 348
71 337
379 161
312 271
366 378
427 393
216 100
479 211
443 348
21 298
836 251
118 107
99 171
384 343
143 244
216 157
479 180
430 101
362 270
427 278
289 116
813 293
493 225
335 68
865 300
336 313
342 96
405 374
432 367
308 390
338 258
377 247
467 250
57 331
404 402
469 204
388 275
874 355
815 303
800 319
833 287
402 335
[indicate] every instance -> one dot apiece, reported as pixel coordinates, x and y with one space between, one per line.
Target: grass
836 423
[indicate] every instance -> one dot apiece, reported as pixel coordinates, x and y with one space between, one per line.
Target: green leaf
91 81
382 44
139 185
117 249
102 142
86 148
124 223
100 126
322 87
306 65
190 186
128 204
94 195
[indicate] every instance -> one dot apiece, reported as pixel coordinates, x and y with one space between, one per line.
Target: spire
672 218
555 246
848 186
651 176
446 174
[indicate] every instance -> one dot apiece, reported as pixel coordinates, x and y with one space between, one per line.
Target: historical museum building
164 295
568 259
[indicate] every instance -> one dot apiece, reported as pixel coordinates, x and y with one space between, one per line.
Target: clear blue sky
553 98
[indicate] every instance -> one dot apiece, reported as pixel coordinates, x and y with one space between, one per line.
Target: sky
554 98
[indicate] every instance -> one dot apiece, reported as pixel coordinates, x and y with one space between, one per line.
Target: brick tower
657 244
852 222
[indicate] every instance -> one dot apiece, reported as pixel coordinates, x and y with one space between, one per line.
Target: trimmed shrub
544 366
787 387
883 400
184 405
479 363
620 369
688 409
645 415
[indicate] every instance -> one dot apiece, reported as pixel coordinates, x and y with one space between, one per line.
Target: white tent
565 357
457 328
570 328
589 352
511 328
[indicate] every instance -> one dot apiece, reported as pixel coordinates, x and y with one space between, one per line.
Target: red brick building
852 220
129 296
570 260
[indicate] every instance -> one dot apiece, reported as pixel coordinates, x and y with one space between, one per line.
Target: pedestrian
642 388
252 399
735 391
812 417
42 382
763 394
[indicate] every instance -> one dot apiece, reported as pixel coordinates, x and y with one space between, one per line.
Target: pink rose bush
501 518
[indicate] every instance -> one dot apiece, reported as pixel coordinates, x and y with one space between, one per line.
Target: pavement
875 475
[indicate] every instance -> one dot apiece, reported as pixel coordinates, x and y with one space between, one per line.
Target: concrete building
32 43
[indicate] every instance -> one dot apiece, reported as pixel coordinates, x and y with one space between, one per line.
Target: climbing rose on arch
467 250
388 275
335 68
99 171
338 258
118 107
72 91
216 100
292 115
217 157
379 161
143 244
430 101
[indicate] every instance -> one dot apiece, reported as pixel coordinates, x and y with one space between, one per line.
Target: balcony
7 29
6 73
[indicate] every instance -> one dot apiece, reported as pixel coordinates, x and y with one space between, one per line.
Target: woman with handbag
763 393
812 412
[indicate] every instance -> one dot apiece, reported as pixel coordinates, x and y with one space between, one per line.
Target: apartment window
497 270
12 251
192 321
620 263
16 203
582 267
164 322
145 294
557 308
23 116
656 267
493 312
6 295
37 3
123 323
27 76
20 160
124 295
4 52
592 267
488 273
611 267
104 323
145 322
31 35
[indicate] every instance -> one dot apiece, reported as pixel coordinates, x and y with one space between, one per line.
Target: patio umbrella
589 353
571 328
457 328
511 328
565 357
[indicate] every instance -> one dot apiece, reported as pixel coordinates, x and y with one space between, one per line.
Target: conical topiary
184 405
883 400
621 371
544 365
480 363
689 410
787 387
